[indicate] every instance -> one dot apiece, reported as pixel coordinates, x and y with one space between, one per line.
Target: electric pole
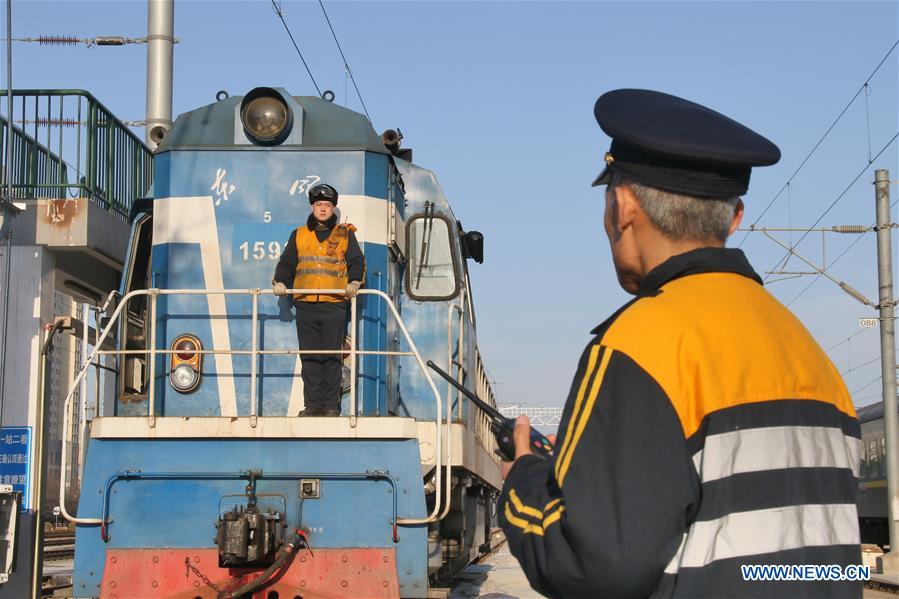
888 362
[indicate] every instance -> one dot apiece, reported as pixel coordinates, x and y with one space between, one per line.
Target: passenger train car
873 511
200 476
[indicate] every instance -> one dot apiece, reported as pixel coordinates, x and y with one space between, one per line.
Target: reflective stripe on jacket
321 264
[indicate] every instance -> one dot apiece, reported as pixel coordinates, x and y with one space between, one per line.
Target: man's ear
739 209
626 208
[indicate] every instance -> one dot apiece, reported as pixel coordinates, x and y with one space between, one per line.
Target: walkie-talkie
501 426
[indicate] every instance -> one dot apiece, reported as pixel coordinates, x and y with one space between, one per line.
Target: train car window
873 459
432 273
883 456
862 460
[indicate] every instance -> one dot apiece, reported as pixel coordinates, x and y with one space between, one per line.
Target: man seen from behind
705 429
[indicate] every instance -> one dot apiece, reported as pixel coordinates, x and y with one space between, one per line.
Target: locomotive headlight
184 378
186 363
265 116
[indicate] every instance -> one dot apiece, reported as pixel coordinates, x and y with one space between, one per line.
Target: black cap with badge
679 146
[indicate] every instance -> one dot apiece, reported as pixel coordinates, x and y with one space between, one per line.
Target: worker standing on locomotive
321 254
705 430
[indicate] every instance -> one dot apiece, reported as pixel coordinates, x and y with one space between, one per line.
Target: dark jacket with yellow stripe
705 430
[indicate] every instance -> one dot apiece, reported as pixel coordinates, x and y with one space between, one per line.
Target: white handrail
254 352
254 409
449 398
353 406
424 370
247 352
151 396
65 412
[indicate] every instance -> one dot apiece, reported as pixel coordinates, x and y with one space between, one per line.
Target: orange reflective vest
322 264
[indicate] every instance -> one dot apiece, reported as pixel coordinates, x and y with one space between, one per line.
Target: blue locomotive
200 480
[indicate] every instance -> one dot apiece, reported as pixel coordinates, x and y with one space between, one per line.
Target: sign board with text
15 459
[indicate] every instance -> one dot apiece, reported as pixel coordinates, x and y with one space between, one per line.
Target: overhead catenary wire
851 245
346 65
846 340
854 368
865 386
815 280
868 119
834 203
786 185
861 399
276 5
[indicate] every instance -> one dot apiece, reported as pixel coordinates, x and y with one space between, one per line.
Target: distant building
543 418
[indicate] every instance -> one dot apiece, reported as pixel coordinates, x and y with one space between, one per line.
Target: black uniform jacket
286 269
705 430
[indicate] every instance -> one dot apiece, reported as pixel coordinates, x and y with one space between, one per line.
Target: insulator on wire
71 40
855 293
56 40
45 122
854 229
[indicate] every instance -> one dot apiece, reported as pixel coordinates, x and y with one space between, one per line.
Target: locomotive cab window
133 368
432 273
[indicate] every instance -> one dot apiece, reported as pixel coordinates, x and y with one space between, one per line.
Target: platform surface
496 577
499 577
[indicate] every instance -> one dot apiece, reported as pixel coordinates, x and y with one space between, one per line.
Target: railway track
878 588
59 546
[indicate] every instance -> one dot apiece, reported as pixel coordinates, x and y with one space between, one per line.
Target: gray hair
682 217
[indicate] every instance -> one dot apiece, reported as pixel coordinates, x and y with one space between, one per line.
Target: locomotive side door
132 368
396 262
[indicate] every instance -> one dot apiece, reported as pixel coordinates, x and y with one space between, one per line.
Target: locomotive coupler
247 536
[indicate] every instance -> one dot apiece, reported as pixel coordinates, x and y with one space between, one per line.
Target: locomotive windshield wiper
426 242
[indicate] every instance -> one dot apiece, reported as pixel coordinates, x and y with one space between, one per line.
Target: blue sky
497 99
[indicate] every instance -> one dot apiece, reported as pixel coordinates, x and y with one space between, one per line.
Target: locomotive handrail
254 351
449 350
449 395
239 475
434 515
